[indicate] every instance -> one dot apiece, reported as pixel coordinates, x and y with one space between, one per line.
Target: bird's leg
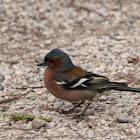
85 109
71 110
81 114
77 105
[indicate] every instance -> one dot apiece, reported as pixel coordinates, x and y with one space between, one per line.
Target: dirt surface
100 36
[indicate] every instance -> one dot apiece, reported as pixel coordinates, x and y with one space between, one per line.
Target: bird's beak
42 63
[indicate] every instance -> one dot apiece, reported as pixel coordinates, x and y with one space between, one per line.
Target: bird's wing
89 82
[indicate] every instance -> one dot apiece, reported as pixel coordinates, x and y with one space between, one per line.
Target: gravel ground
101 36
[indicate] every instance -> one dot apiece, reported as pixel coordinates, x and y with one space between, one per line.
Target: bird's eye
51 61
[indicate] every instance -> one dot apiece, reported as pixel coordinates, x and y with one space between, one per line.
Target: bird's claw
67 112
78 116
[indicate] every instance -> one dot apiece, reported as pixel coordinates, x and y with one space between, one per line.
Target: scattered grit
101 36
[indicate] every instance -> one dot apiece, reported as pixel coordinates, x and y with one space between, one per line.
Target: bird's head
58 60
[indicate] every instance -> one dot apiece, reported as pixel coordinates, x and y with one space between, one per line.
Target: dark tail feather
122 87
127 89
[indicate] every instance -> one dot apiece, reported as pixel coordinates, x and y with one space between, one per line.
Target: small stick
15 128
11 62
9 100
30 87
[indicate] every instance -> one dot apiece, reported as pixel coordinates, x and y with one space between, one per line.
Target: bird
68 82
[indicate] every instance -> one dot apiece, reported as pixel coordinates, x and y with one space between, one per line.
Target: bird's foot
72 109
67 112
78 116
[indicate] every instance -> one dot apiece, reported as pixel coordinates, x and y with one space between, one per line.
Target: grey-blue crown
67 63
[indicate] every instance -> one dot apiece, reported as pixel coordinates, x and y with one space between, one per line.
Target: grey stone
122 118
21 107
102 98
32 98
38 123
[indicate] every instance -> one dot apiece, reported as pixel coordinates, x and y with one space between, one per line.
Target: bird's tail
127 89
122 87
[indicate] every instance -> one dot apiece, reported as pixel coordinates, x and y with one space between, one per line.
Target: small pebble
38 123
91 117
2 94
9 93
6 97
1 78
90 134
103 122
122 118
102 98
7 77
37 113
21 107
32 98
138 131
52 99
133 130
18 73
48 42
138 124
2 86
3 135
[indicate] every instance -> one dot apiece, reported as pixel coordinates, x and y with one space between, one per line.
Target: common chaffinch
68 82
